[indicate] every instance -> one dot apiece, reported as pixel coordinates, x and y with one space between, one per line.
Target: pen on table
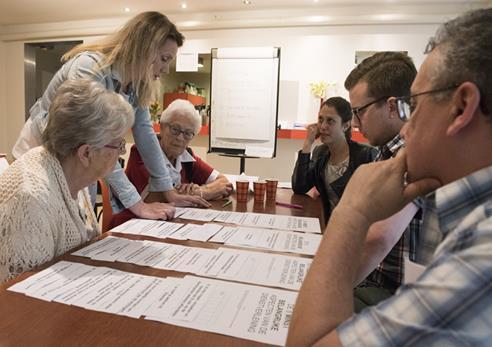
227 203
288 205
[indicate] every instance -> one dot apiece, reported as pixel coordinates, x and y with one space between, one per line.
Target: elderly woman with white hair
180 122
45 208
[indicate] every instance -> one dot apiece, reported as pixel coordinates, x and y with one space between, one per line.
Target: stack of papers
271 239
240 310
262 220
238 265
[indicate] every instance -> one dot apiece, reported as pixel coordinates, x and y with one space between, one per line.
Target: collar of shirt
175 171
116 79
458 199
390 148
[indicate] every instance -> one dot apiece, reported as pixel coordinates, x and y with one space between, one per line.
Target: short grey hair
182 108
465 44
85 112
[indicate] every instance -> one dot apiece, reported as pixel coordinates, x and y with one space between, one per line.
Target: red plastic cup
271 189
259 188
242 191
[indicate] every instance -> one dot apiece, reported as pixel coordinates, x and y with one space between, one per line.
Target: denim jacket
86 65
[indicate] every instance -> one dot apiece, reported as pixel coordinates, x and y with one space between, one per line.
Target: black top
311 172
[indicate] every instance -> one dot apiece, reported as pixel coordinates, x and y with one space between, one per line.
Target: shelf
295 134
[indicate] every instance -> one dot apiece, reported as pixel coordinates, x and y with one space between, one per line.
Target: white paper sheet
238 265
199 214
224 234
245 311
62 268
292 223
155 228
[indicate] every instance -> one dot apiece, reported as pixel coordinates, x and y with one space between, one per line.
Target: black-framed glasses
357 111
404 103
120 147
176 130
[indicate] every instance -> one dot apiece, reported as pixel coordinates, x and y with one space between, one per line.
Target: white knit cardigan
39 220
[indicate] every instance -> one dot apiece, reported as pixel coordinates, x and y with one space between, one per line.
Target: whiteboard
244 101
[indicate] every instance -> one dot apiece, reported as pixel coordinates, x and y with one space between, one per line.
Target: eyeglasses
357 111
176 130
121 146
404 103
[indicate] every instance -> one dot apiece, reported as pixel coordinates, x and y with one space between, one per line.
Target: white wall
308 54
317 53
12 83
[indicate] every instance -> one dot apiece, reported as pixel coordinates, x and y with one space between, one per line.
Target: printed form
245 311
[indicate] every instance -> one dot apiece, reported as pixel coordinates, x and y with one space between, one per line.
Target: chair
107 210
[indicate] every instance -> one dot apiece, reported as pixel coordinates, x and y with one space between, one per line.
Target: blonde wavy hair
133 49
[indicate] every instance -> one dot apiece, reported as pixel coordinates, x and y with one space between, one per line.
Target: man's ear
393 111
466 103
84 155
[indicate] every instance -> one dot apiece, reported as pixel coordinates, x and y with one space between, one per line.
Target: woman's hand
312 134
218 190
188 189
154 210
182 200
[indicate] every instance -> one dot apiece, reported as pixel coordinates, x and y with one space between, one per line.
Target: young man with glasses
373 86
446 159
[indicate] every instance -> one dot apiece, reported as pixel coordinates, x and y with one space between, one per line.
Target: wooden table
26 321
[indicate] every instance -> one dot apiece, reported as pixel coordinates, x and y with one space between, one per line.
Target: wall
308 54
3 103
12 116
317 53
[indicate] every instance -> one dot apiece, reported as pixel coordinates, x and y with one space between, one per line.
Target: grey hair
182 108
465 44
85 112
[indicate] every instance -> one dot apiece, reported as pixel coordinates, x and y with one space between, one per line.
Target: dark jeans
369 296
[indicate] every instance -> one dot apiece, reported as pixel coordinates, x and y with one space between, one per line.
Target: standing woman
332 163
130 63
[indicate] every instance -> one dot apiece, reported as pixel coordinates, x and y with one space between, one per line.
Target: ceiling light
127 9
246 2
183 5
316 0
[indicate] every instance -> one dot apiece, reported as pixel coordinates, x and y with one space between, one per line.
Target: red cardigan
191 172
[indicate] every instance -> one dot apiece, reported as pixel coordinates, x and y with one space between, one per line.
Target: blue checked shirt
389 274
450 304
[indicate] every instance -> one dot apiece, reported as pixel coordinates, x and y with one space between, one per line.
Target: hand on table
154 210
188 189
186 200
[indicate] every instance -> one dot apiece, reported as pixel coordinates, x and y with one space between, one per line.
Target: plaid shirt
389 274
451 302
